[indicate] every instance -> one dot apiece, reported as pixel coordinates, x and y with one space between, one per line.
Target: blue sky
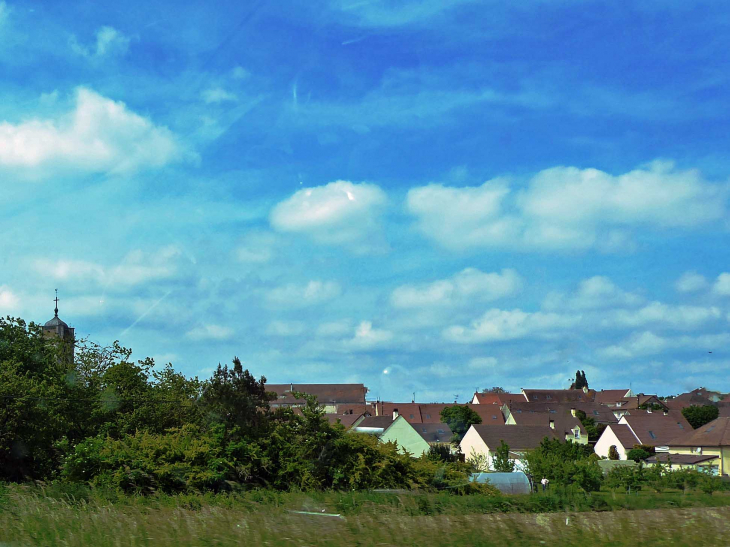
427 197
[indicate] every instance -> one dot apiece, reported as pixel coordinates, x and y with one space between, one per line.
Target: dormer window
549 396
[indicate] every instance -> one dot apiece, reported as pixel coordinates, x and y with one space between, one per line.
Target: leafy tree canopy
460 419
697 416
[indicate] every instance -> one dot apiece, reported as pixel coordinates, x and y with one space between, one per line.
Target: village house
558 395
414 439
712 439
484 440
560 418
424 413
349 398
648 428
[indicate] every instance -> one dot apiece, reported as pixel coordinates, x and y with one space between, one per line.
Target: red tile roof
657 428
325 393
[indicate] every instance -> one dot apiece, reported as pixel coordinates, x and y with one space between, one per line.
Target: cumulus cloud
334 329
99 135
295 295
498 325
722 285
210 332
679 317
366 337
648 343
8 299
469 285
566 208
136 268
109 41
593 293
691 282
339 213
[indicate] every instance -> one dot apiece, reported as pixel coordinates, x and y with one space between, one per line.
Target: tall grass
49 518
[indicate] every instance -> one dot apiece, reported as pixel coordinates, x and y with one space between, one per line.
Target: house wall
606 440
408 439
473 443
722 453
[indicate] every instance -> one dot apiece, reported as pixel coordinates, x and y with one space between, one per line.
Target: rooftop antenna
56 301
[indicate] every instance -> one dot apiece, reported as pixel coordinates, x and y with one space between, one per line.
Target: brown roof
716 433
325 393
610 395
498 398
600 413
624 435
657 428
684 459
345 419
557 395
563 420
434 433
490 414
517 437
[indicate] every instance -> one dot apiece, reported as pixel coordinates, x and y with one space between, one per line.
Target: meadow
50 516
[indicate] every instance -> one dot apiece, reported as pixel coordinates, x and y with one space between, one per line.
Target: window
595 413
534 397
549 396
680 425
651 434
576 433
428 416
494 416
441 431
553 411
411 416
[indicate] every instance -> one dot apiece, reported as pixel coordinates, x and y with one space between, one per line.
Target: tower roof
55 322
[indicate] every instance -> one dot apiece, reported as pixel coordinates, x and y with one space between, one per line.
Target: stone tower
56 328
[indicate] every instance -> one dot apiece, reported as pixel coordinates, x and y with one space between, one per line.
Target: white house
484 440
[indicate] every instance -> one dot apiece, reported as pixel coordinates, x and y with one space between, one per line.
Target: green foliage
613 453
637 454
564 463
580 380
501 460
697 416
593 429
494 390
459 419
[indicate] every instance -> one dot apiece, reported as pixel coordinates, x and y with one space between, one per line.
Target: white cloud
483 363
109 41
256 248
334 329
240 73
647 343
691 282
299 296
285 328
592 293
8 300
722 284
99 135
339 213
681 317
136 268
366 337
218 95
497 325
566 208
467 286
210 332
393 14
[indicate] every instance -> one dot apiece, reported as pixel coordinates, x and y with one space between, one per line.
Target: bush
637 454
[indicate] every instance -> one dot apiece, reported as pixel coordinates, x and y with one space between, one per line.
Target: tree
593 429
494 390
637 454
697 416
613 453
580 380
501 460
459 419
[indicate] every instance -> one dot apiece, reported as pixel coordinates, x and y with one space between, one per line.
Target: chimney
291 387
552 424
395 413
572 412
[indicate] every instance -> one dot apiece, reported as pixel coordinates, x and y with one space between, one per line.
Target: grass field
38 517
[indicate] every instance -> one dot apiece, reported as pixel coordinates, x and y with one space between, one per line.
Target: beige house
560 418
711 439
643 427
482 441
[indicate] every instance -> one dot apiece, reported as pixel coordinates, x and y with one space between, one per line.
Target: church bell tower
56 328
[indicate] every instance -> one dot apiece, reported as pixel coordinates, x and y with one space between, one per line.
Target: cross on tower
56 301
